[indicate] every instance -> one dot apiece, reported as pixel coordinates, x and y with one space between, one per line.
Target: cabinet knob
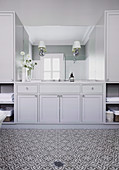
59 95
83 95
27 88
92 88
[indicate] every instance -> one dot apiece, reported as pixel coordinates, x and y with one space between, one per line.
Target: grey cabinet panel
92 109
27 108
49 109
69 109
112 47
7 46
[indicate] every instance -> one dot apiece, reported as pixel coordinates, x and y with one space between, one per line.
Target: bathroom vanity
59 102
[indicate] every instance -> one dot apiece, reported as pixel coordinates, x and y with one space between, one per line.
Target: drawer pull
92 88
27 88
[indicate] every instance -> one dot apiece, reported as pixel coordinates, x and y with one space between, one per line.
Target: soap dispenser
71 78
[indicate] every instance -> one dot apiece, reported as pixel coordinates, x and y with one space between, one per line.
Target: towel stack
2 117
112 99
9 112
6 97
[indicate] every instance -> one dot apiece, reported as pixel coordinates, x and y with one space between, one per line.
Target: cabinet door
7 46
27 108
112 46
92 108
69 108
49 109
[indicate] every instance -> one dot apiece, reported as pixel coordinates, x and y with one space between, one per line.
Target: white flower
28 57
27 61
22 53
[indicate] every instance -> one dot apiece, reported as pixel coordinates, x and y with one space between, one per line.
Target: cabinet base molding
81 126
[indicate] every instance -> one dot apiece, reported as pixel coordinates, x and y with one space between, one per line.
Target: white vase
29 75
23 74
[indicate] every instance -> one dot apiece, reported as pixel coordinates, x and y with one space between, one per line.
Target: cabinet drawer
59 88
27 89
92 89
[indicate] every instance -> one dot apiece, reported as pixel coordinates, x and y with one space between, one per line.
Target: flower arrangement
27 61
28 64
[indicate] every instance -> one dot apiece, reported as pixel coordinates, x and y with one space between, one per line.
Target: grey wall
66 49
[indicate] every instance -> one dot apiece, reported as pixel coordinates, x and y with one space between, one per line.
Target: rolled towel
112 99
2 117
6 97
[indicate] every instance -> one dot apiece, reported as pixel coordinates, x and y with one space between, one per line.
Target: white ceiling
58 12
58 35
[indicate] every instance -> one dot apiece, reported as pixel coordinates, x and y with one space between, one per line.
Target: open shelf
112 91
7 101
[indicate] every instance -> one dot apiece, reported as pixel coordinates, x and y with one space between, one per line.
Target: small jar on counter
71 78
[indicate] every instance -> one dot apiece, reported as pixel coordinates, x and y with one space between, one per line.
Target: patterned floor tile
30 149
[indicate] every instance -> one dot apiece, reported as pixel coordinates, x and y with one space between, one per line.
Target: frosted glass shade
76 45
42 45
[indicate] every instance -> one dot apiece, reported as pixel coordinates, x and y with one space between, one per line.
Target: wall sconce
75 48
42 48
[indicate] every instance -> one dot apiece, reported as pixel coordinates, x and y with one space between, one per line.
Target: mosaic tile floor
75 149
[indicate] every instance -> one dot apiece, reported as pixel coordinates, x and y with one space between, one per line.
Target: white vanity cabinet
49 109
58 105
69 109
27 103
27 109
111 46
92 109
92 104
59 108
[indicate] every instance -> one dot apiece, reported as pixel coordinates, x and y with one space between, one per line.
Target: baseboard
37 126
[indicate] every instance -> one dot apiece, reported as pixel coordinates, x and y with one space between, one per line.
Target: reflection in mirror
59 40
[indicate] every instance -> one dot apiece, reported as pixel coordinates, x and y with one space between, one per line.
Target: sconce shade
76 45
42 46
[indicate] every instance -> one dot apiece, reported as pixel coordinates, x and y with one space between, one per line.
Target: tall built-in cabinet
112 62
13 40
111 45
7 44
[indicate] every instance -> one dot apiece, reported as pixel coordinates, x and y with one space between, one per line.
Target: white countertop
63 81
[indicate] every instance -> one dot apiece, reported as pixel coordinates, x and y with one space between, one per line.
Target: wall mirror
59 61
